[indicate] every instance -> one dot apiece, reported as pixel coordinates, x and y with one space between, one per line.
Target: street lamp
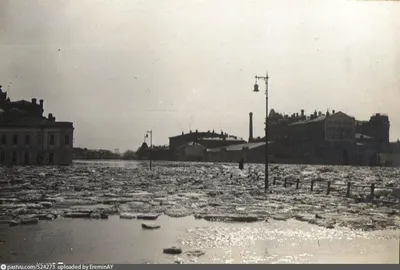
151 142
266 124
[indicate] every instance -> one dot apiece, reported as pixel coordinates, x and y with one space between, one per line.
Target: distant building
250 153
29 138
206 139
377 128
327 138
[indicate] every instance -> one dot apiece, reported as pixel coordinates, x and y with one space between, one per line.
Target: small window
51 139
27 140
3 139
15 139
66 139
14 158
51 158
26 158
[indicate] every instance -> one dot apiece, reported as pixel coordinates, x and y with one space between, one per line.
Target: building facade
29 138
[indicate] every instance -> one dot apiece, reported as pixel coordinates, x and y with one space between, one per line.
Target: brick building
29 138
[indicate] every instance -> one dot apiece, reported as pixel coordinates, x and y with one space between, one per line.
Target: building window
51 158
52 139
14 158
2 157
66 139
27 140
15 139
26 158
3 139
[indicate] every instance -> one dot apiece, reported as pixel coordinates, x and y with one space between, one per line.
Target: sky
119 68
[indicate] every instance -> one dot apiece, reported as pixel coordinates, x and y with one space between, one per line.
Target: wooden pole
329 188
372 190
348 189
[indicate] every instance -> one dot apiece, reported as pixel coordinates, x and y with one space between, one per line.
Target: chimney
183 133
327 113
319 113
34 101
41 103
333 111
302 113
315 113
251 127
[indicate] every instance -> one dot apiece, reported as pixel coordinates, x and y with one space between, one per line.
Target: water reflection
124 241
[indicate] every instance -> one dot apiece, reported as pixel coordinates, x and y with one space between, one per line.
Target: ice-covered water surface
205 190
118 240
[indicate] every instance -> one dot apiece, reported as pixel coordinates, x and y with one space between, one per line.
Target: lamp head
256 88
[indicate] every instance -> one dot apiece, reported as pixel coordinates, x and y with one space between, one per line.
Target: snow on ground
208 191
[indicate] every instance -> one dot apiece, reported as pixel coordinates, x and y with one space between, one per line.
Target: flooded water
295 225
124 241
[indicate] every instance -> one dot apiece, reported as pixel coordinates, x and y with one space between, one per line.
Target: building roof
238 147
198 133
228 138
317 119
22 102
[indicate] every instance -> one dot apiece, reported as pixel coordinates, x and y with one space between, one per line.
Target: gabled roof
319 118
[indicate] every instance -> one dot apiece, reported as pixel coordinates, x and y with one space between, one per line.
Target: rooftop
228 138
310 120
238 147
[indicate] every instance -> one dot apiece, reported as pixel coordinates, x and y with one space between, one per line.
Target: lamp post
151 143
42 146
266 123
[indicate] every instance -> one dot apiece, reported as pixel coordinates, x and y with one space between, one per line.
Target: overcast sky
119 68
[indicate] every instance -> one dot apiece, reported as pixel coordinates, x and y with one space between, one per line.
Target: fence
329 186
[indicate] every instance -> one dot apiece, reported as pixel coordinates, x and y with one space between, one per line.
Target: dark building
330 138
377 128
207 139
29 138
